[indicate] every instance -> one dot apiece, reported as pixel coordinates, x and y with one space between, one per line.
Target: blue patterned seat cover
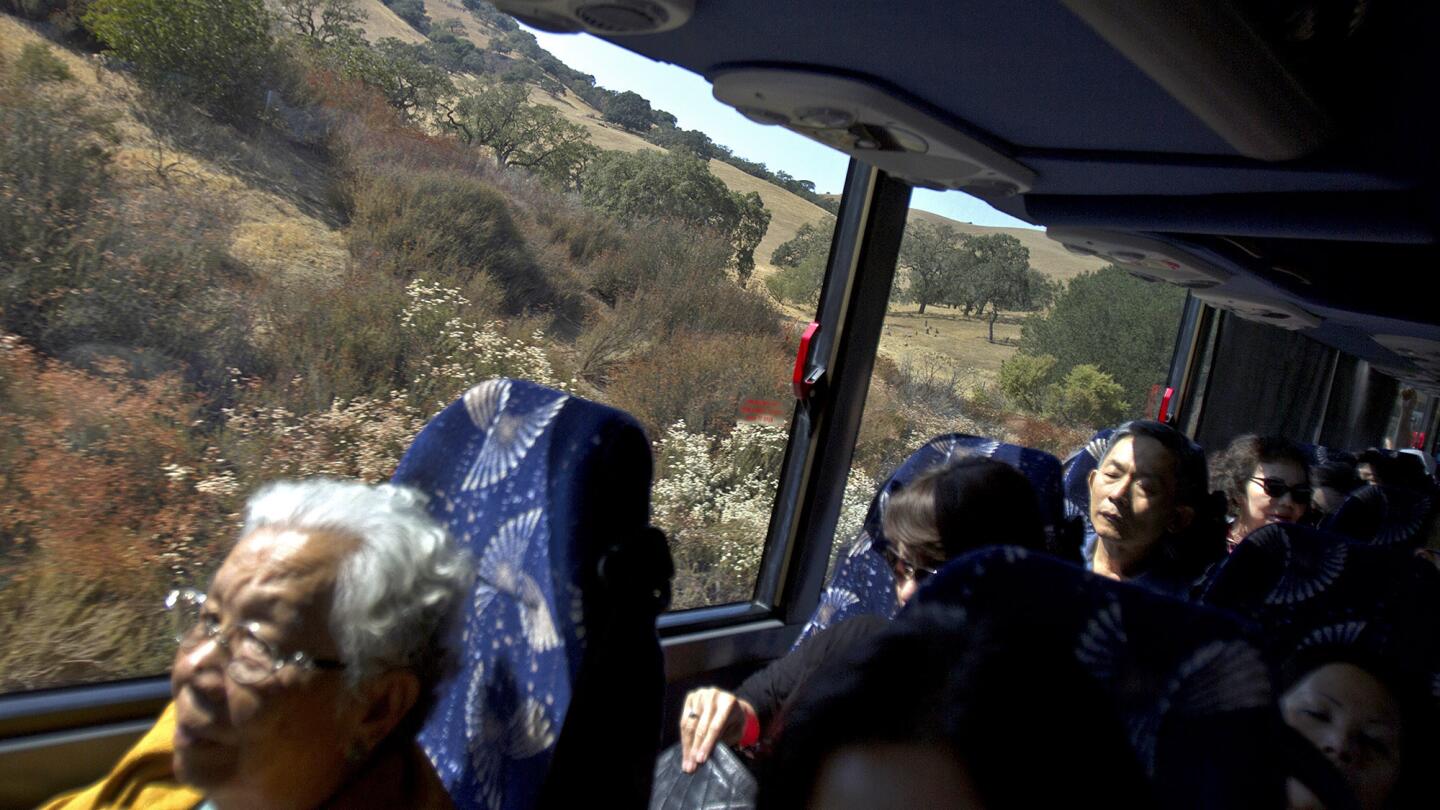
1319 454
1383 516
1307 588
543 489
862 583
1188 681
1076 471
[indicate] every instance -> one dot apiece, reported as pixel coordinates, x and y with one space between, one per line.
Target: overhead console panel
1145 257
1270 310
873 124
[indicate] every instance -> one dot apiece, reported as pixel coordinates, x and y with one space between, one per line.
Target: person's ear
1090 479
1181 520
384 702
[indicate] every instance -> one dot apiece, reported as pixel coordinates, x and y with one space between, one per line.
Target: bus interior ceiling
1281 148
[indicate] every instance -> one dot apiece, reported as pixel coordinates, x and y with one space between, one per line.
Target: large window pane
281 258
994 330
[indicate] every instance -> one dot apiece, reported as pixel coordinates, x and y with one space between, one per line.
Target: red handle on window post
1165 405
801 382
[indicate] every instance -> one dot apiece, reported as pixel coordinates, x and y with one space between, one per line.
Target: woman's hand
709 716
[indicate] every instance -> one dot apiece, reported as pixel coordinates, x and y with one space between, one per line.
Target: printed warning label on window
764 411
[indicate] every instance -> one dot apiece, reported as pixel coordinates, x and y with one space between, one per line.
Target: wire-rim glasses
250 659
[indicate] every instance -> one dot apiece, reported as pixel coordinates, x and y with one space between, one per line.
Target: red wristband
751 734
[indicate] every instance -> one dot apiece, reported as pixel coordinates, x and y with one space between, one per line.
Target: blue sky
688 98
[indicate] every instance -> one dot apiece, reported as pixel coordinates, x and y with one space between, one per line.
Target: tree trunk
922 308
994 314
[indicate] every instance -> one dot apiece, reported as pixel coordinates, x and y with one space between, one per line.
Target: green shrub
1025 378
454 229
800 283
337 340
214 52
700 379
54 180
1088 396
1113 321
38 64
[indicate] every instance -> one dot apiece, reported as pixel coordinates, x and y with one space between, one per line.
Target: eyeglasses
251 658
1277 488
903 569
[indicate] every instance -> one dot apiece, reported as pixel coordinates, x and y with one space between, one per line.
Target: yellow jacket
397 776
142 778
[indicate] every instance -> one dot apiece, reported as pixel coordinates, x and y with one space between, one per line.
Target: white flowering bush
714 498
457 352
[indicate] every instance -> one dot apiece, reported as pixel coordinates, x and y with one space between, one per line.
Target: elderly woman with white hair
304 672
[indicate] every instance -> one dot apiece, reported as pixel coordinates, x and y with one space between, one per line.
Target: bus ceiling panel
1064 172
1386 283
1029 74
1370 217
1210 58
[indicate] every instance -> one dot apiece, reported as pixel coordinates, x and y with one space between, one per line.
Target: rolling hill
788 211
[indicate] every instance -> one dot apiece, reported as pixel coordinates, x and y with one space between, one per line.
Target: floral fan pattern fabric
862 583
537 485
1188 681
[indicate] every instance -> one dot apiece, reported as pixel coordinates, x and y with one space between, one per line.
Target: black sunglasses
1277 488
903 568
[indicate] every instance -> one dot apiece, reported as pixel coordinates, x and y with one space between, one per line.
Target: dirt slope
274 192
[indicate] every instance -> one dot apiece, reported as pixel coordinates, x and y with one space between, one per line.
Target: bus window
996 331
220 286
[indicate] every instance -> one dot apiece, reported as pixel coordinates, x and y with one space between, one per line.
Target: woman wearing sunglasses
944 512
1265 480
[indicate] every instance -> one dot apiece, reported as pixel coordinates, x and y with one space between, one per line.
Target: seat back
1383 516
1189 683
549 493
1305 587
863 584
1076 472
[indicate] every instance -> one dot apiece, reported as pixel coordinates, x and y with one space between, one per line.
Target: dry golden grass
940 335
381 22
947 335
442 11
271 189
787 211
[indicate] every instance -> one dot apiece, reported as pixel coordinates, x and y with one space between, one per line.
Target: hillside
273 194
788 211
1046 255
381 22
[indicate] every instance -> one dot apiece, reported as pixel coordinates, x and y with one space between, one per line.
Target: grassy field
381 22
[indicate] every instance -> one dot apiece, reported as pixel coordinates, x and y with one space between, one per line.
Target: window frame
860 267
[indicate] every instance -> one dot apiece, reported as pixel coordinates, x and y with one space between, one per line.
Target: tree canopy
649 185
812 238
1113 321
519 133
970 271
631 111
215 52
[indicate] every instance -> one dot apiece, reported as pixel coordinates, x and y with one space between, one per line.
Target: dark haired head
966 504
1202 541
1337 475
995 708
1232 469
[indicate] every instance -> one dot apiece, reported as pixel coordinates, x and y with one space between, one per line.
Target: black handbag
722 782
